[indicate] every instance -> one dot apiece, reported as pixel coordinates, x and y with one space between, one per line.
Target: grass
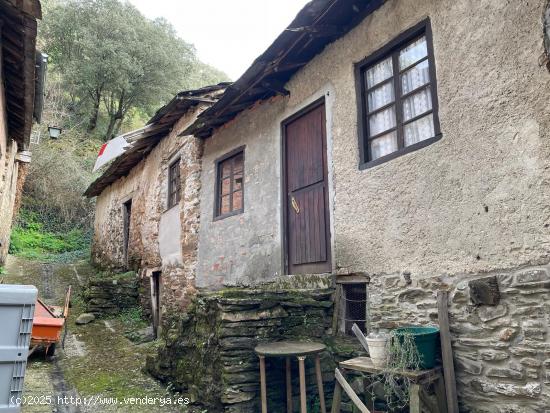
29 239
2 270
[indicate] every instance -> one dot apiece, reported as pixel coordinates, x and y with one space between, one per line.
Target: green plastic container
425 339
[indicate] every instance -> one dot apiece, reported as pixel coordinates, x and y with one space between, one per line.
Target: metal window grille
354 306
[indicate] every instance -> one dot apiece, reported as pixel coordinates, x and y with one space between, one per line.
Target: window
174 184
354 311
398 97
230 184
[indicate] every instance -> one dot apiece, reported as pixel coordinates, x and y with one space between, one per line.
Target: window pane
383 145
379 72
415 77
226 186
419 130
417 104
382 121
381 96
224 205
238 163
413 53
237 200
226 168
238 183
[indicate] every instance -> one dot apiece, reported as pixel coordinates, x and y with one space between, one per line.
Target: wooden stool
419 379
289 349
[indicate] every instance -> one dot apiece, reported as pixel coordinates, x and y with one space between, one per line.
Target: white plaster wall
170 237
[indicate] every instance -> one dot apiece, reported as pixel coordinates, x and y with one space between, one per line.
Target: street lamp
54 131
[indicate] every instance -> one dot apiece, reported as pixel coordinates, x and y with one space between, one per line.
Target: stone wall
209 356
502 351
8 177
146 185
108 294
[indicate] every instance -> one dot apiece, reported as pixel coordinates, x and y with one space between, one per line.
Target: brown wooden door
306 196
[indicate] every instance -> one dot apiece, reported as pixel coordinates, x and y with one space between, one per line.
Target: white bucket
378 351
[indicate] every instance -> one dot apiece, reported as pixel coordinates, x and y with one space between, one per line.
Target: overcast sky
228 34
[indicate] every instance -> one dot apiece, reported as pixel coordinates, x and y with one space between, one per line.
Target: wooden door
306 196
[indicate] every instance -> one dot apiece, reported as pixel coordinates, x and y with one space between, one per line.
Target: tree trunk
110 128
95 112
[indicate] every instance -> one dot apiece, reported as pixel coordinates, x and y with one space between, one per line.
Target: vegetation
115 60
110 69
31 240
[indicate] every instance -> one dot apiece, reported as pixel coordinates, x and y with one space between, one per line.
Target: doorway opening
155 300
127 215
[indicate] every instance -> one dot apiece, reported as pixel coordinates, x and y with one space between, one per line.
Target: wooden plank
336 312
336 398
447 352
360 336
364 364
440 395
349 391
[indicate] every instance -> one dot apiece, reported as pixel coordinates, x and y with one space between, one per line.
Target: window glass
229 195
413 53
400 107
379 72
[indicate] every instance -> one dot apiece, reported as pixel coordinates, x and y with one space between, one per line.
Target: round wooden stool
288 349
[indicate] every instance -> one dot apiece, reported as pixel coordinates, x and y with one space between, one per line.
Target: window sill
230 214
397 154
172 207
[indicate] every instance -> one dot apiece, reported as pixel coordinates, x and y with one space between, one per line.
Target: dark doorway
306 193
155 300
127 215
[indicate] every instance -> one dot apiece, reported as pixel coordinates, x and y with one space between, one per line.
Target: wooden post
440 395
447 352
414 398
303 399
336 398
288 387
320 383
263 390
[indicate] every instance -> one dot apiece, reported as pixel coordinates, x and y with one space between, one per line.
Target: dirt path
99 369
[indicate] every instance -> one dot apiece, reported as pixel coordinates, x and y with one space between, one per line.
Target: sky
228 34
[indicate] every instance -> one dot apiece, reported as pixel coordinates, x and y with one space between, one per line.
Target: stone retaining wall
209 353
502 351
108 295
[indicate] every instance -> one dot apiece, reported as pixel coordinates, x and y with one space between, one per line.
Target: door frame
284 205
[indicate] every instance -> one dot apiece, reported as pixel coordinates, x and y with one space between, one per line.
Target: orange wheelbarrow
48 324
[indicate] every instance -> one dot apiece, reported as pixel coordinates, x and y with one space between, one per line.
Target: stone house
399 147
146 211
22 72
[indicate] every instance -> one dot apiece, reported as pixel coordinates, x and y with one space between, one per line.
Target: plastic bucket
425 340
378 351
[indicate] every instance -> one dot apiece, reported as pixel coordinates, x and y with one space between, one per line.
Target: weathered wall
475 202
8 176
152 245
209 356
243 248
502 352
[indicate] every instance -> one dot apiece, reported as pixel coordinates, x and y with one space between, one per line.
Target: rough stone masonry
500 350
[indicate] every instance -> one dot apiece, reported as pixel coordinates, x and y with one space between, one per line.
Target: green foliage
2 270
115 60
402 355
30 239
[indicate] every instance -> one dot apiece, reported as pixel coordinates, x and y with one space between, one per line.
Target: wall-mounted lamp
54 131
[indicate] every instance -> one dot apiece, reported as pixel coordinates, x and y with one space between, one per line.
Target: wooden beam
349 391
447 352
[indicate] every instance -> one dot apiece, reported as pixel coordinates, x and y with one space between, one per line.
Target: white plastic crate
16 315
